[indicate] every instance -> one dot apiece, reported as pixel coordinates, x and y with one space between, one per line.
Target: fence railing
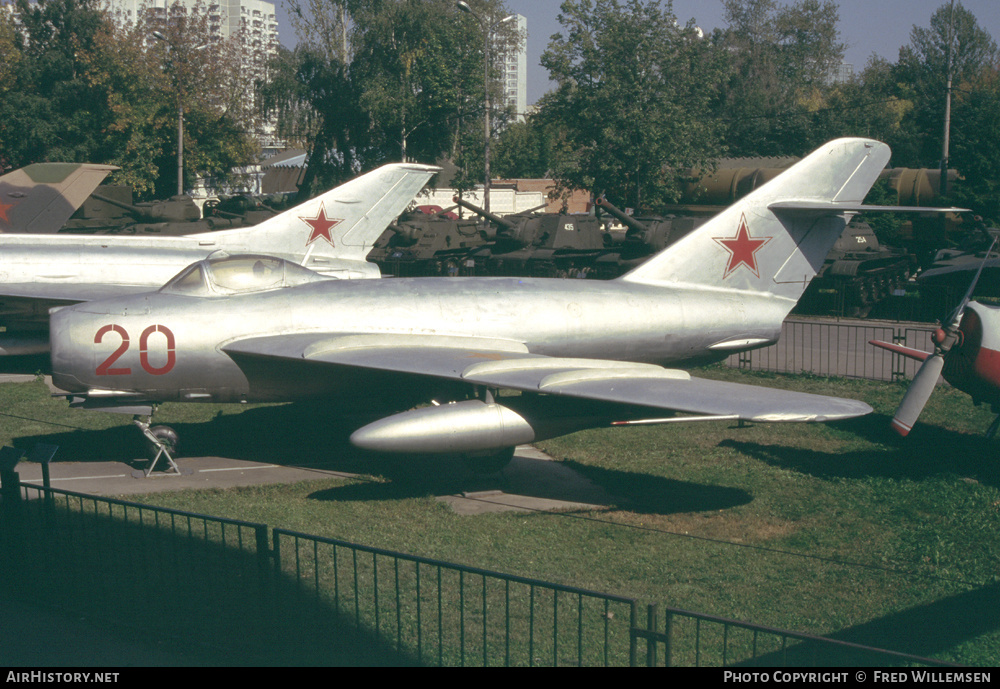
687 639
839 348
295 598
451 614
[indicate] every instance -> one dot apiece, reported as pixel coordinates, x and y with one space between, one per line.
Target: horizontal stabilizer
847 207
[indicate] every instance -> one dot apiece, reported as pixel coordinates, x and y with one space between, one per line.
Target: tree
954 44
51 111
779 61
524 150
413 72
870 104
202 80
976 146
374 81
632 104
89 90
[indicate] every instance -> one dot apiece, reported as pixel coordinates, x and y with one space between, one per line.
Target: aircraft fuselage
166 347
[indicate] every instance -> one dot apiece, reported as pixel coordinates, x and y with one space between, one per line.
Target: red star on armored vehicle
4 207
742 249
321 226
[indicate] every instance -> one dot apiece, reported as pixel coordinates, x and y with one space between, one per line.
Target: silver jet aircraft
331 234
581 352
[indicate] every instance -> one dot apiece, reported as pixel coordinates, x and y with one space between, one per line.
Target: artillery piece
544 244
109 210
647 235
421 243
858 273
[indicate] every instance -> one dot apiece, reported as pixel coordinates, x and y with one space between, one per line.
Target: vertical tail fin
776 238
40 198
341 224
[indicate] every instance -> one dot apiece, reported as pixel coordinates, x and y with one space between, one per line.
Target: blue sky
866 26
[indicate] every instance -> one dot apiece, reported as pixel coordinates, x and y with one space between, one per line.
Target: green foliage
524 150
779 58
954 44
413 67
975 149
89 90
632 91
374 81
50 111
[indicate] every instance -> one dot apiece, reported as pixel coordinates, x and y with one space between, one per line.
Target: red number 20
105 368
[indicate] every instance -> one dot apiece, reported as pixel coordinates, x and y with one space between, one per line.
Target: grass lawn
842 529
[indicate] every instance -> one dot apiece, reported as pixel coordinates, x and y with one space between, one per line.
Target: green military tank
110 210
429 241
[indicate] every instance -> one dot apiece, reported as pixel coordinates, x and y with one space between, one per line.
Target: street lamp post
943 187
487 29
180 118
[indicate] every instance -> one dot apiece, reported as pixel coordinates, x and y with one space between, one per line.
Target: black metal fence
686 639
222 586
450 614
839 348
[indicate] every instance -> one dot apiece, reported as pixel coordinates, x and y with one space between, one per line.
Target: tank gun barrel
443 211
625 219
495 219
175 209
135 211
404 236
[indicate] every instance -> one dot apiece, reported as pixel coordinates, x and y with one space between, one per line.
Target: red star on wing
742 248
321 226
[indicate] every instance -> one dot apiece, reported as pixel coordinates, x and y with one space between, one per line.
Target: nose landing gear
161 441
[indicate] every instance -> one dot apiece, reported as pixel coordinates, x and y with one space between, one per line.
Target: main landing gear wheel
492 463
160 441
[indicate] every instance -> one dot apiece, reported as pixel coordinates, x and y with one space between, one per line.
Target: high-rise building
515 71
252 21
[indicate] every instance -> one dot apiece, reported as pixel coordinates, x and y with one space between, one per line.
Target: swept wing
506 364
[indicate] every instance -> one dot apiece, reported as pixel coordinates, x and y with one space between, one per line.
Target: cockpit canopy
226 275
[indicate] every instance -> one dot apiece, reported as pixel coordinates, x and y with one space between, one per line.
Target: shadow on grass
308 435
926 452
657 495
180 590
411 477
931 630
282 434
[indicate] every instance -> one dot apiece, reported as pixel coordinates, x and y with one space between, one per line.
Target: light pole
180 116
943 187
487 29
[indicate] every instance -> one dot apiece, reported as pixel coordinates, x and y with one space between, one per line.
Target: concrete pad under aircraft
532 482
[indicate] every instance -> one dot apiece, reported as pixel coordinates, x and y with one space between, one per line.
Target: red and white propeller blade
917 394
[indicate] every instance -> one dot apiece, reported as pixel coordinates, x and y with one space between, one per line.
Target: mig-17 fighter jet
330 234
580 352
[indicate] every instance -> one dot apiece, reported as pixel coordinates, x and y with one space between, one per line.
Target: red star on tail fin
321 226
742 249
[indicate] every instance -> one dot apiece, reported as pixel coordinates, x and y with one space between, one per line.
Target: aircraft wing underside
506 364
64 292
